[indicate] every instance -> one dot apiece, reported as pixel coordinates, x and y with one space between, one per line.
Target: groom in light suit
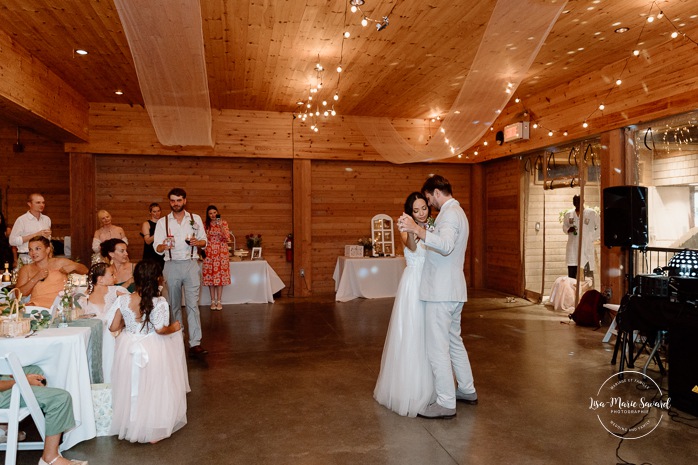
444 291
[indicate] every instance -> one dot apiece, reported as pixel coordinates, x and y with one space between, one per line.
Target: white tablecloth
251 281
62 354
371 278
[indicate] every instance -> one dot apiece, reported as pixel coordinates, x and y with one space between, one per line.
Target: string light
635 52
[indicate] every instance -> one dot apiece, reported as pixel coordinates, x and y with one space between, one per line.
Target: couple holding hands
423 347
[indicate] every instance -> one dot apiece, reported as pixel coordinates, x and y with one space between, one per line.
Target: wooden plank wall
43 167
343 203
502 217
252 195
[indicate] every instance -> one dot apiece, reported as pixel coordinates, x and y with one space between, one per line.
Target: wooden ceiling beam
31 95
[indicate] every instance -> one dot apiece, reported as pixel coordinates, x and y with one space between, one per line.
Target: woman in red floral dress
216 269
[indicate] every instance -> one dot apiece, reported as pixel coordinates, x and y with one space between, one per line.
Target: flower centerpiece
367 244
68 303
253 240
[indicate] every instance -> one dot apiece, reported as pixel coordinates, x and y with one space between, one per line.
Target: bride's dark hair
409 203
146 277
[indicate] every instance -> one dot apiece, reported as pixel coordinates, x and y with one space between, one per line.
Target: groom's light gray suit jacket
442 277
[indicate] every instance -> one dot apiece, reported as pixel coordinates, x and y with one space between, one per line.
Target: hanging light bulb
334 113
674 35
550 133
535 125
346 34
317 112
602 106
353 8
585 124
336 96
324 103
364 22
660 15
339 68
326 113
315 129
484 143
475 152
618 82
636 53
564 133
517 100
650 19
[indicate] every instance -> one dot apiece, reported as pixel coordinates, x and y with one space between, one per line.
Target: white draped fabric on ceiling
515 33
166 41
167 44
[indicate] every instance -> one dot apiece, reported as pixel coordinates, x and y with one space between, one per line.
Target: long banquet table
370 278
62 354
251 281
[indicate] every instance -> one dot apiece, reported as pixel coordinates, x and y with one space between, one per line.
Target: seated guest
114 250
104 233
57 406
101 294
149 377
45 277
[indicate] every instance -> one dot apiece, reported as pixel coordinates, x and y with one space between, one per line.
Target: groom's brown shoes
435 411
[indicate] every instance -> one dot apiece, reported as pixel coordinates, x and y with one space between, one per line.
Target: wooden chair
9 365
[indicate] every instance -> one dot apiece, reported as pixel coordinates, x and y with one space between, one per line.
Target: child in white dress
149 376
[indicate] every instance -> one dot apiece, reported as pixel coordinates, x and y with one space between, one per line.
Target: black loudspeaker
683 370
625 216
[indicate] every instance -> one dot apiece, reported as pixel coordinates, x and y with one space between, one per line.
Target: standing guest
443 289
6 253
148 233
57 406
104 233
590 233
114 250
178 237
216 268
150 383
33 223
45 276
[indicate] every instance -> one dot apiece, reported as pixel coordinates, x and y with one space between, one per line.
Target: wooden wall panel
343 203
503 258
252 195
42 167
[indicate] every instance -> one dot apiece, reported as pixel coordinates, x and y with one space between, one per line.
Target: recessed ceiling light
119 92
617 23
621 30
80 51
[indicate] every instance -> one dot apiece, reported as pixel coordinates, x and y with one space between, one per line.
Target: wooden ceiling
261 54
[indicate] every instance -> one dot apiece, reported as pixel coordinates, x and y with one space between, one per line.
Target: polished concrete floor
292 382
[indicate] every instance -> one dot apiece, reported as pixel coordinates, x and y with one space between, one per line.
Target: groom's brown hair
437 182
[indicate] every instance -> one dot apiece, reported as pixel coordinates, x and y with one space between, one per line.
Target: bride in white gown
405 384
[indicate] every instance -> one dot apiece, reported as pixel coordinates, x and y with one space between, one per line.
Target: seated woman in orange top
45 277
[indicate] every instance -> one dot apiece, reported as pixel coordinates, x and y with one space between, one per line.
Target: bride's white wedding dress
405 384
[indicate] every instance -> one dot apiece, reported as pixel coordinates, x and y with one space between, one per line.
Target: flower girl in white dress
405 383
149 376
101 294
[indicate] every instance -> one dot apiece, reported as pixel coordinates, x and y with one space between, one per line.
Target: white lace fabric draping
167 44
515 33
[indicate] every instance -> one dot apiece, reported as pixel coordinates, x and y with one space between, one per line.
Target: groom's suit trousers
446 352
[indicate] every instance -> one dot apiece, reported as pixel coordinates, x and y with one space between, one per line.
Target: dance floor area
292 383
